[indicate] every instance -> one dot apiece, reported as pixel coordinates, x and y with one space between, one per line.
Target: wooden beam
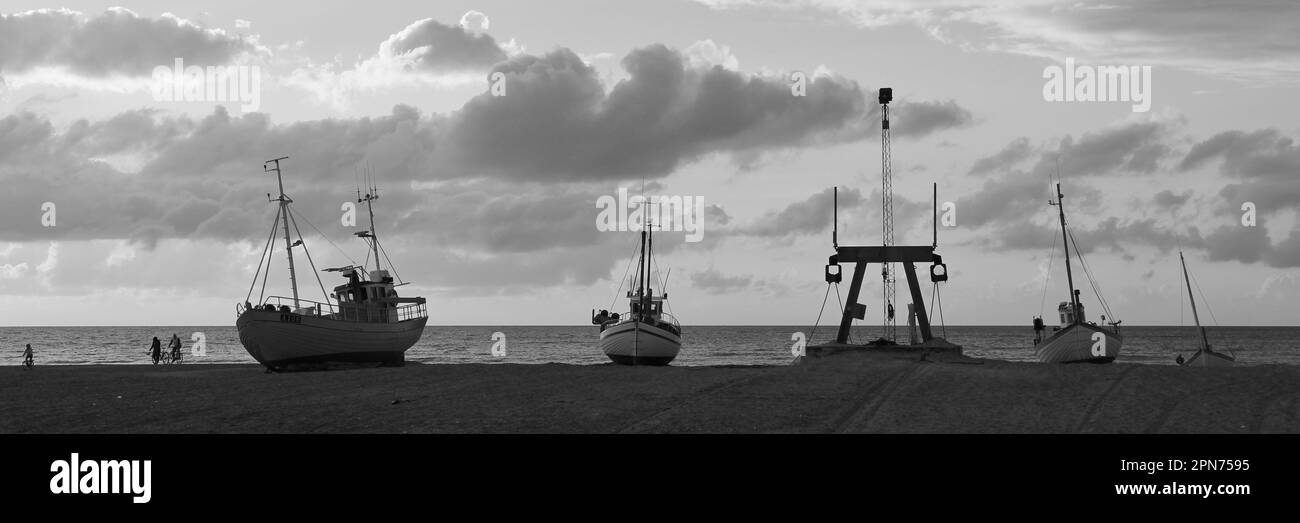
879 254
851 304
915 286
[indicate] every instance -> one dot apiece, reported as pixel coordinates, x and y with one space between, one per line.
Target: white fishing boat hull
283 340
1080 343
636 343
1209 359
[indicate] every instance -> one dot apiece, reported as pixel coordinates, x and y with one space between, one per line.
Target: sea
701 345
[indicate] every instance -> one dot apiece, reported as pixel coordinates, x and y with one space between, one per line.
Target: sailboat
1076 339
366 323
646 335
1205 356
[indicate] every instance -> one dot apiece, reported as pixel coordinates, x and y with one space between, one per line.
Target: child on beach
156 350
27 356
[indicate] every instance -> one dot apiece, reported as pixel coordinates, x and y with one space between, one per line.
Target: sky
494 129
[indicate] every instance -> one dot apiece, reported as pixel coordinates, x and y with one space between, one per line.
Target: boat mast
1069 275
1205 343
640 265
284 213
649 260
371 195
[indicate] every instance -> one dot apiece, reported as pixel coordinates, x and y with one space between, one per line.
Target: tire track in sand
869 403
650 422
1089 416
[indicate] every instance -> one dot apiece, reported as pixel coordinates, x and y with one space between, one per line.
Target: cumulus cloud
1168 199
117 42
714 213
1126 148
1265 161
1008 206
1268 196
922 118
1262 154
1133 147
474 21
707 53
558 122
426 53
1244 244
502 184
431 45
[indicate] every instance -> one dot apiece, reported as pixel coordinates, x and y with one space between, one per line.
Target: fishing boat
1075 339
363 322
646 334
1205 356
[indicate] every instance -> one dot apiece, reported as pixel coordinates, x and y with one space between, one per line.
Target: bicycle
27 363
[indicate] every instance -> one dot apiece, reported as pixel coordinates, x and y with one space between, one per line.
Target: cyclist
175 346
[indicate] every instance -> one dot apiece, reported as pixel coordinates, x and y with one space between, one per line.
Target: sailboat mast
1069 274
1205 343
284 213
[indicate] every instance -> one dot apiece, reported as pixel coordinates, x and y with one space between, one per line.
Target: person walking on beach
175 346
27 357
156 350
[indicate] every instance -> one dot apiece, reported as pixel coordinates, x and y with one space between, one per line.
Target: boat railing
411 311
662 317
359 314
283 304
668 318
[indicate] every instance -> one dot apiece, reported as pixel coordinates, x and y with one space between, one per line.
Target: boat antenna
372 194
284 206
835 218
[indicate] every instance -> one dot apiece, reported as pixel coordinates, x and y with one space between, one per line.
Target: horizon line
828 325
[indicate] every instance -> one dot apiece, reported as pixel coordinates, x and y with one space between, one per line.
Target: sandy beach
844 393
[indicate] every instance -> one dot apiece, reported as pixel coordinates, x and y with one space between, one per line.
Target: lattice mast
886 216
